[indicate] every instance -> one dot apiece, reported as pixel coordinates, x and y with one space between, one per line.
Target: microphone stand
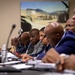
13 26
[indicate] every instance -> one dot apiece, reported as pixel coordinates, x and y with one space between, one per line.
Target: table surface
34 72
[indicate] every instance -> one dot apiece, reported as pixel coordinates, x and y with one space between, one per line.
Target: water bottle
3 53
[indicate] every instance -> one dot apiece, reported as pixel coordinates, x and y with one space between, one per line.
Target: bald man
65 45
54 32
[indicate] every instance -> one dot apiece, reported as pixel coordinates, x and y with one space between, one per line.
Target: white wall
10 14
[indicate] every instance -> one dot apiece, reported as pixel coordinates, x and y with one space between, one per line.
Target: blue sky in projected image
46 6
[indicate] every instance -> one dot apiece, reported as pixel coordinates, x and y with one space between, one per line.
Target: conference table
33 71
27 72
7 69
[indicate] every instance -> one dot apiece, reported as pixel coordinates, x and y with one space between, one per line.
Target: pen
59 61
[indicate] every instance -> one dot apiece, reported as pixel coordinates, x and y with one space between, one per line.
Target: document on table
45 65
37 64
33 62
22 66
11 55
40 64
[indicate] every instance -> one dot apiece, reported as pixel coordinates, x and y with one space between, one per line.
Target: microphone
13 27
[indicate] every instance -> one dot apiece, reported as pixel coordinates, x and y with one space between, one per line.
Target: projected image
40 14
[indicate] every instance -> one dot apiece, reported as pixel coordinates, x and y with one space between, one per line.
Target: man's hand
26 57
51 56
70 63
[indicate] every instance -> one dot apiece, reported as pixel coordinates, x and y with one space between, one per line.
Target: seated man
34 40
66 45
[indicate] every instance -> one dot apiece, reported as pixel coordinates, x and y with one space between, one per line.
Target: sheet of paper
11 55
34 62
45 65
22 66
40 64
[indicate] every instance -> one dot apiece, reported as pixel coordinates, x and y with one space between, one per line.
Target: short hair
25 36
35 30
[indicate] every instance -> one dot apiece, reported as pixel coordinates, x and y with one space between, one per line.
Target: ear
57 35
